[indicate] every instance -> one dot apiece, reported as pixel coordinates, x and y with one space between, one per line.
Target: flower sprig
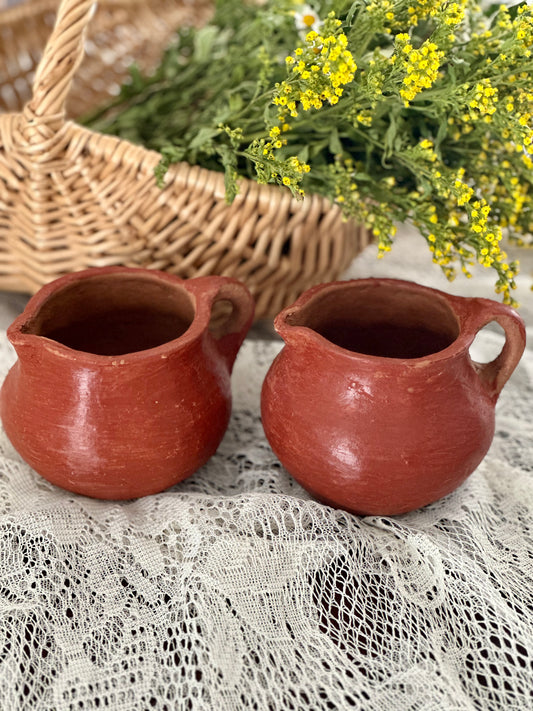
414 111
319 71
421 66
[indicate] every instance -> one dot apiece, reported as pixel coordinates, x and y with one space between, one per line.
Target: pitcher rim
460 343
197 326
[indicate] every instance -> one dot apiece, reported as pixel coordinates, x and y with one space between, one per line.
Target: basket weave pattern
71 198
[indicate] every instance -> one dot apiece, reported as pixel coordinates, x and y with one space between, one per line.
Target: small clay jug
374 404
122 383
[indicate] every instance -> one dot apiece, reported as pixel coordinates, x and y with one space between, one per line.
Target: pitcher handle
497 372
227 327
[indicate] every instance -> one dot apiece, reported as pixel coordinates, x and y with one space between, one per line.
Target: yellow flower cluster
487 242
513 197
478 224
442 250
271 166
277 141
503 19
523 28
420 10
374 215
484 240
382 228
372 81
481 101
421 66
382 12
454 12
427 150
463 193
364 118
450 237
522 111
319 71
398 16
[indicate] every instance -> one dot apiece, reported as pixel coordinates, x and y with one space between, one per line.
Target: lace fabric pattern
236 590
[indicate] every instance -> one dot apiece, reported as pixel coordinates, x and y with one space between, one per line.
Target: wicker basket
71 198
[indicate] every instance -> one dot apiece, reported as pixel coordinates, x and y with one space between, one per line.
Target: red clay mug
374 404
122 383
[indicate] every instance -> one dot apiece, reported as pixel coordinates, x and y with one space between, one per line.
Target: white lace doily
235 590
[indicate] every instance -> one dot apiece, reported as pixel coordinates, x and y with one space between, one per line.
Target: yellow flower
421 66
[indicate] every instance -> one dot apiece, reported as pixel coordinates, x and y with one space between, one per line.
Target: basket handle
61 58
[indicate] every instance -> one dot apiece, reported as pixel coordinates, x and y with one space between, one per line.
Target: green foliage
397 110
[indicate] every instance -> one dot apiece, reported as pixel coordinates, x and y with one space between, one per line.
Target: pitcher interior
381 320
114 314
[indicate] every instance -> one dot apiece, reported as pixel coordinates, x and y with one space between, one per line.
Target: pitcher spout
22 339
301 323
287 325
295 323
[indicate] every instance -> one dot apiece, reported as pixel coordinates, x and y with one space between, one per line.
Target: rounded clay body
374 404
122 383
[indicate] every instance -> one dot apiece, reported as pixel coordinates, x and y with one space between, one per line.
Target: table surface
236 590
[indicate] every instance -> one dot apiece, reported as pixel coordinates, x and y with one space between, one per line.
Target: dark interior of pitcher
381 320
115 314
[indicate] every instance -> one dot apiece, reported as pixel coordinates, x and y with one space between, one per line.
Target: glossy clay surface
122 384
374 404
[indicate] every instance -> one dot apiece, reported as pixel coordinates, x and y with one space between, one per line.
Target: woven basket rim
187 173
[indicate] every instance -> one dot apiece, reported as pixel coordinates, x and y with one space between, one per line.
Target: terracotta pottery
374 404
122 383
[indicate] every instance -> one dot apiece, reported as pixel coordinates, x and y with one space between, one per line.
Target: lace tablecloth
235 590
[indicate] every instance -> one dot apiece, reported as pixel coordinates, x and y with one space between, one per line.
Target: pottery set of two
122 385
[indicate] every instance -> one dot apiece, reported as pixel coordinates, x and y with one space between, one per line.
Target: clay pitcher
122 383
374 404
